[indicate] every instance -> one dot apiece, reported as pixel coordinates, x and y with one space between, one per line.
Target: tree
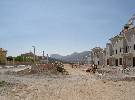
19 58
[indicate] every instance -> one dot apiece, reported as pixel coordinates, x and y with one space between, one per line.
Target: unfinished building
98 56
3 54
121 49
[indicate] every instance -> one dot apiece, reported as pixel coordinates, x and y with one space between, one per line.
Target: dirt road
76 86
74 71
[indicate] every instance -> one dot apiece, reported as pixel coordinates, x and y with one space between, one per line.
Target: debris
53 68
92 68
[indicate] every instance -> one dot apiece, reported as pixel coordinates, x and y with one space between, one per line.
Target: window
120 49
120 61
126 49
107 61
98 62
116 51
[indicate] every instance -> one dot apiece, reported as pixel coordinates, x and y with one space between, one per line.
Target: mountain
74 57
54 59
56 56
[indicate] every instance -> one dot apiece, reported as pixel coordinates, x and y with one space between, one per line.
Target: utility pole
13 61
34 53
43 55
86 60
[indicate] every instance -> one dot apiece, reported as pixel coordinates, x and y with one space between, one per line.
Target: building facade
3 54
28 55
98 56
121 49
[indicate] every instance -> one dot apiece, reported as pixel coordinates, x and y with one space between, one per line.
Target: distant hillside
54 59
56 56
75 57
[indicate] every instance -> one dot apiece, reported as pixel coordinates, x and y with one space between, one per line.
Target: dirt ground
79 85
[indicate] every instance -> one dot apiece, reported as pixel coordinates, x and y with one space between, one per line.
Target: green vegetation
19 58
22 58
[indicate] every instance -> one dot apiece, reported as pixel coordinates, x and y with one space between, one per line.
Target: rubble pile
52 68
59 67
116 74
40 68
92 69
24 72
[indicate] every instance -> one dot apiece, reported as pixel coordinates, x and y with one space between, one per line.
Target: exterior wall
98 56
121 47
108 54
118 50
3 56
89 60
30 55
130 38
133 48
104 57
121 50
132 45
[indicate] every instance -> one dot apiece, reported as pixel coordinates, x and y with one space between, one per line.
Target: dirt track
77 86
74 71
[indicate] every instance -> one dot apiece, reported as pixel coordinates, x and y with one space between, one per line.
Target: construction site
101 73
108 76
66 82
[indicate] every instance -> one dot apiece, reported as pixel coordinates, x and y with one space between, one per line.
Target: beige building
121 49
3 54
98 56
28 55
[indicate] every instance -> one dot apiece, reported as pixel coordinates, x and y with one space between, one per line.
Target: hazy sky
60 26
